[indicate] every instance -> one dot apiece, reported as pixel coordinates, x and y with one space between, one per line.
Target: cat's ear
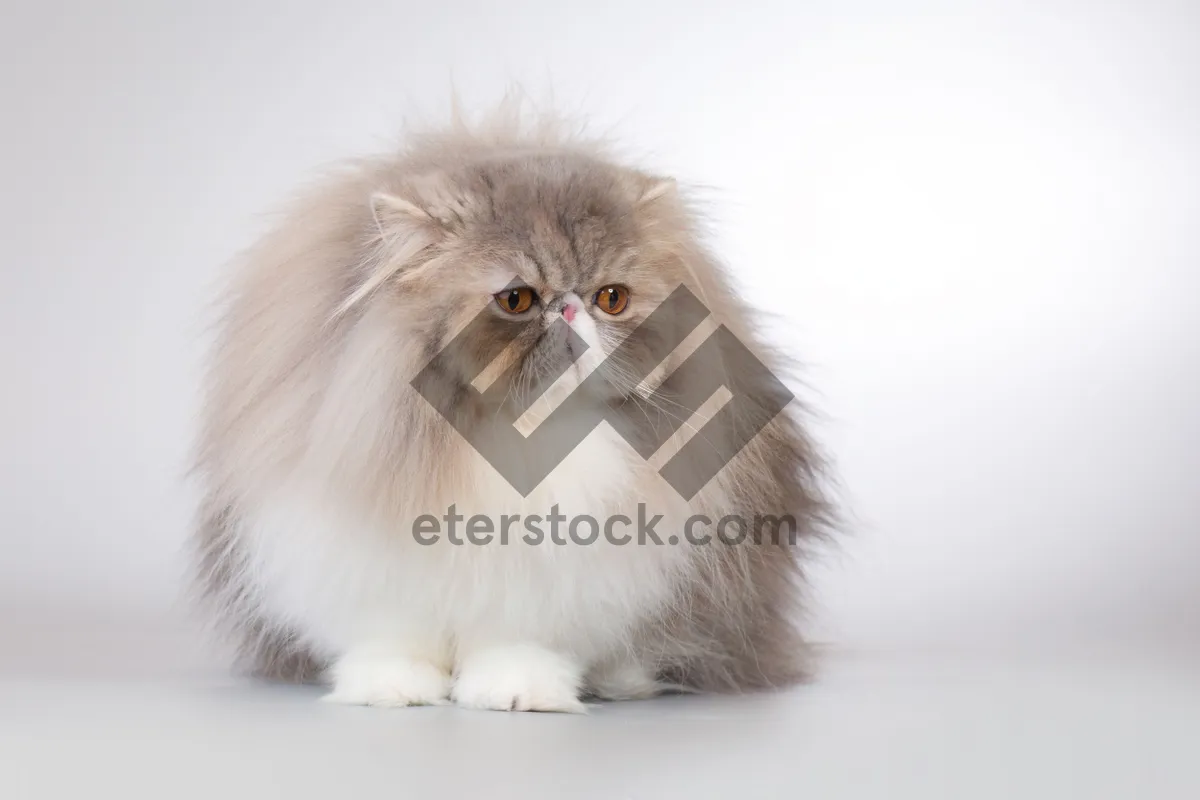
393 214
655 188
406 230
428 200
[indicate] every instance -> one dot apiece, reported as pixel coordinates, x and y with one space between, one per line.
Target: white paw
387 681
519 678
624 680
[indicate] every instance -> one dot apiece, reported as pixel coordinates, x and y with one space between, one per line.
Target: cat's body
320 455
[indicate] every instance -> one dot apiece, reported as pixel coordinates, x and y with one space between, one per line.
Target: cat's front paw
519 678
387 680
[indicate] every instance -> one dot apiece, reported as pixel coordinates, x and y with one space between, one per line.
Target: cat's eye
612 299
517 300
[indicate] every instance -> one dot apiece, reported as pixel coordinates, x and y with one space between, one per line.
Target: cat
535 256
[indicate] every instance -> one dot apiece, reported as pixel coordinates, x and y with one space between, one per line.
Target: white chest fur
338 576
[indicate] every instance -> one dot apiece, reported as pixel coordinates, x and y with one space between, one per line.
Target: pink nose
569 311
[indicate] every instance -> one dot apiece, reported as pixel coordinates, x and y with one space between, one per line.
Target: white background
976 223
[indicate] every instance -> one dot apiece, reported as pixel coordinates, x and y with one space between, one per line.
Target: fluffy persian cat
533 256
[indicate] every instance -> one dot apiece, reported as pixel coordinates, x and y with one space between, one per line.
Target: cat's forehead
534 197
570 223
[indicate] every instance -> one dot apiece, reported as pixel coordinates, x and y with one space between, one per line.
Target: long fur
317 454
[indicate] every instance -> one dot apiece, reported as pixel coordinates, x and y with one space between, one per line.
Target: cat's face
544 267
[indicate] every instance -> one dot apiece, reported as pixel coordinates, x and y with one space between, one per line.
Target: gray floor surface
105 711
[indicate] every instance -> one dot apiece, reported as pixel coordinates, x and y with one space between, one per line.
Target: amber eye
612 299
516 301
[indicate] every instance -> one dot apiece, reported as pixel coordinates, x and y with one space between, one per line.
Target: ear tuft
390 210
656 188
